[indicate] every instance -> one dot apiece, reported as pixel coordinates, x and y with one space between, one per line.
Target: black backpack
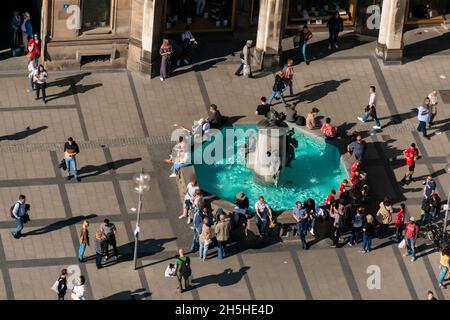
185 267
301 121
11 212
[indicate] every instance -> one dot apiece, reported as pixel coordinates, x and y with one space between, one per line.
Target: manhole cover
445 94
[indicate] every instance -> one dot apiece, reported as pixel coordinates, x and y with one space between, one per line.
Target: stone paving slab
119 282
13 93
392 284
153 200
45 201
325 275
37 244
92 198
2 288
217 279
131 159
35 126
25 166
108 106
279 283
34 283
162 288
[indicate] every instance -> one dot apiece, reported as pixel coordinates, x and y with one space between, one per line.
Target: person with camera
19 213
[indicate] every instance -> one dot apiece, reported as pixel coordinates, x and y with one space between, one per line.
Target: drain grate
445 95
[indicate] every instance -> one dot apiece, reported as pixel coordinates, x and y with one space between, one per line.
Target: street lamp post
141 179
447 169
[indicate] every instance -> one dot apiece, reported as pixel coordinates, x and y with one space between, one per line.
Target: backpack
185 268
242 55
11 212
301 121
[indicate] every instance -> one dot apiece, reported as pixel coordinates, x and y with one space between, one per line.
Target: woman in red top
34 47
411 154
328 130
400 223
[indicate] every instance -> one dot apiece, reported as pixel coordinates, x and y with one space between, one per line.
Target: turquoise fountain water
315 171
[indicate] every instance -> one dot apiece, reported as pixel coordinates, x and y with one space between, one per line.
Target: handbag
25 218
402 244
63 164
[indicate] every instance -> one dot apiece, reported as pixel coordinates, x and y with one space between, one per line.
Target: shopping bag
246 70
55 286
402 244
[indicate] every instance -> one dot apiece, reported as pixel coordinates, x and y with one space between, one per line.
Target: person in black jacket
335 25
62 284
368 234
278 87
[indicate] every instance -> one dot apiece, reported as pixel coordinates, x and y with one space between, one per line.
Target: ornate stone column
151 31
394 36
381 43
270 32
390 40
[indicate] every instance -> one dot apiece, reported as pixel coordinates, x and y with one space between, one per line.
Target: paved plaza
123 122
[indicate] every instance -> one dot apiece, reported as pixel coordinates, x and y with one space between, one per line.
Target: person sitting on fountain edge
263 108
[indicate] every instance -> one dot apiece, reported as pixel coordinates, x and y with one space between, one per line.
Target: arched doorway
8 7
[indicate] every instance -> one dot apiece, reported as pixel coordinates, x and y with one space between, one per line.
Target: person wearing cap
246 59
27 30
411 233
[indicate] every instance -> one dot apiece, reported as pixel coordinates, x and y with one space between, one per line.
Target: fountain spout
268 158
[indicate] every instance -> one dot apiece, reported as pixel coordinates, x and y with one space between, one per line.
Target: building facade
128 33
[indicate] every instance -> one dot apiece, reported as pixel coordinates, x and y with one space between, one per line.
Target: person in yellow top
443 267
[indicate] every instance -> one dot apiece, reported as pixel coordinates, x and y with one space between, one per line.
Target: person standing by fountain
357 148
301 217
368 233
263 216
278 87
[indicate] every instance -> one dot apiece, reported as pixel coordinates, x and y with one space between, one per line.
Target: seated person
183 160
328 130
311 121
215 118
173 156
263 108
291 113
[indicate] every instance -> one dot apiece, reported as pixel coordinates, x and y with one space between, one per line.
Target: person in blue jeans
357 223
443 267
411 233
263 216
84 240
71 150
305 36
198 223
301 217
371 109
18 211
368 233
424 116
278 87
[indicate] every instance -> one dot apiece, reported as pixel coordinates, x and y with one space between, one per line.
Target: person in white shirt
263 215
32 70
433 101
191 188
371 109
18 211
40 78
78 289
187 40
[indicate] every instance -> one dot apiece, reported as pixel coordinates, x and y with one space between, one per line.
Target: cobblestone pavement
123 123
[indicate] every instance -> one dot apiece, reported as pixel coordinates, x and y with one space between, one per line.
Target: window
318 12
205 15
96 13
430 10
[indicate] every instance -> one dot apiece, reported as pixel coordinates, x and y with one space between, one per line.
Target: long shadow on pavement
226 278
90 170
59 225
